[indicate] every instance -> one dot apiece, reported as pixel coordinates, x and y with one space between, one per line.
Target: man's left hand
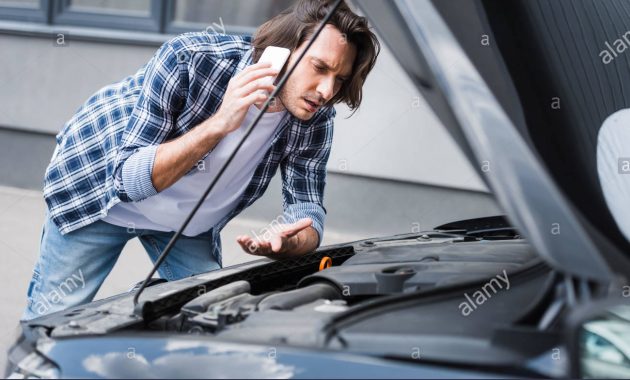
283 240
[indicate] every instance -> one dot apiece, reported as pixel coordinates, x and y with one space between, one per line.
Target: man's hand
246 88
287 240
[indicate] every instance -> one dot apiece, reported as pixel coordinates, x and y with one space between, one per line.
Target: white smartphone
277 56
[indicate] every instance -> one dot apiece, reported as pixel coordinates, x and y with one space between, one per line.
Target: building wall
393 167
394 135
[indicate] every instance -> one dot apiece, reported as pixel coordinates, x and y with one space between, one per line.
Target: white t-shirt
167 210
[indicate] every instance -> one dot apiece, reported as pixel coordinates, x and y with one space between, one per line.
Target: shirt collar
246 60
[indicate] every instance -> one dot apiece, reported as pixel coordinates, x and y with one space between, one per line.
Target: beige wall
393 136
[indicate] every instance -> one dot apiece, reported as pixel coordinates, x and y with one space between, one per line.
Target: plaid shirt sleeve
304 174
150 123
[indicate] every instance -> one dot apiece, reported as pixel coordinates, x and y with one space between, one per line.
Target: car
608 348
488 297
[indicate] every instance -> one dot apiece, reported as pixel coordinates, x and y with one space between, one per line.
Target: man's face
319 75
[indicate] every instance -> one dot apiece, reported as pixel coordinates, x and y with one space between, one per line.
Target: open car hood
483 113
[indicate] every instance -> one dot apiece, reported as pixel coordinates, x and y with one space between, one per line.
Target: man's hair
295 25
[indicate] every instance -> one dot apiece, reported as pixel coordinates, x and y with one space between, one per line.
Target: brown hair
296 24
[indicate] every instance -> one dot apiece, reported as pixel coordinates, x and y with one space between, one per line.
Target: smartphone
277 56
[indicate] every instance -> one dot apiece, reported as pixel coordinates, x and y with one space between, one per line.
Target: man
138 154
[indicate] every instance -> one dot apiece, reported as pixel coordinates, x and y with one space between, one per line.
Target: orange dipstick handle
325 263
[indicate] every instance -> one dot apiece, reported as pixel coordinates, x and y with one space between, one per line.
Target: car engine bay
391 297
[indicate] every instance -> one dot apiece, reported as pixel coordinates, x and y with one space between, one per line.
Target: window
141 15
223 15
156 16
24 10
33 4
116 7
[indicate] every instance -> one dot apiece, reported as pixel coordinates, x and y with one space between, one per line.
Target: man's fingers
303 223
262 248
255 97
249 247
296 227
256 74
253 247
243 246
254 67
260 84
240 239
245 241
276 243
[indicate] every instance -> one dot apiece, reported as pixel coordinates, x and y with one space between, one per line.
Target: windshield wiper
248 131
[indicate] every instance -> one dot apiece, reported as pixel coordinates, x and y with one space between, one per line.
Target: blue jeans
71 268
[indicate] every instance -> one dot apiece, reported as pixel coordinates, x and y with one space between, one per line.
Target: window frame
178 27
63 15
41 14
159 24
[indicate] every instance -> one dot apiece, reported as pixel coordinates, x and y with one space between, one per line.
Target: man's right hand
243 90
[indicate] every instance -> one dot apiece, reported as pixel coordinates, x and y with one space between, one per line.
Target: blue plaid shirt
105 152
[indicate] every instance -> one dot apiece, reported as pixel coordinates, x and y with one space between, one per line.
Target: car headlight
35 366
26 361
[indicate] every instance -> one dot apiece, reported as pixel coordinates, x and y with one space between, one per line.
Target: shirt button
182 57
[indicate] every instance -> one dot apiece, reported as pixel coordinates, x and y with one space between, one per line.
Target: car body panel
137 356
112 326
468 108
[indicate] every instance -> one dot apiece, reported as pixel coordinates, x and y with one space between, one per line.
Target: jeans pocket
34 286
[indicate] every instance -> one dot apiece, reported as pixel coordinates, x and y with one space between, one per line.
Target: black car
520 295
